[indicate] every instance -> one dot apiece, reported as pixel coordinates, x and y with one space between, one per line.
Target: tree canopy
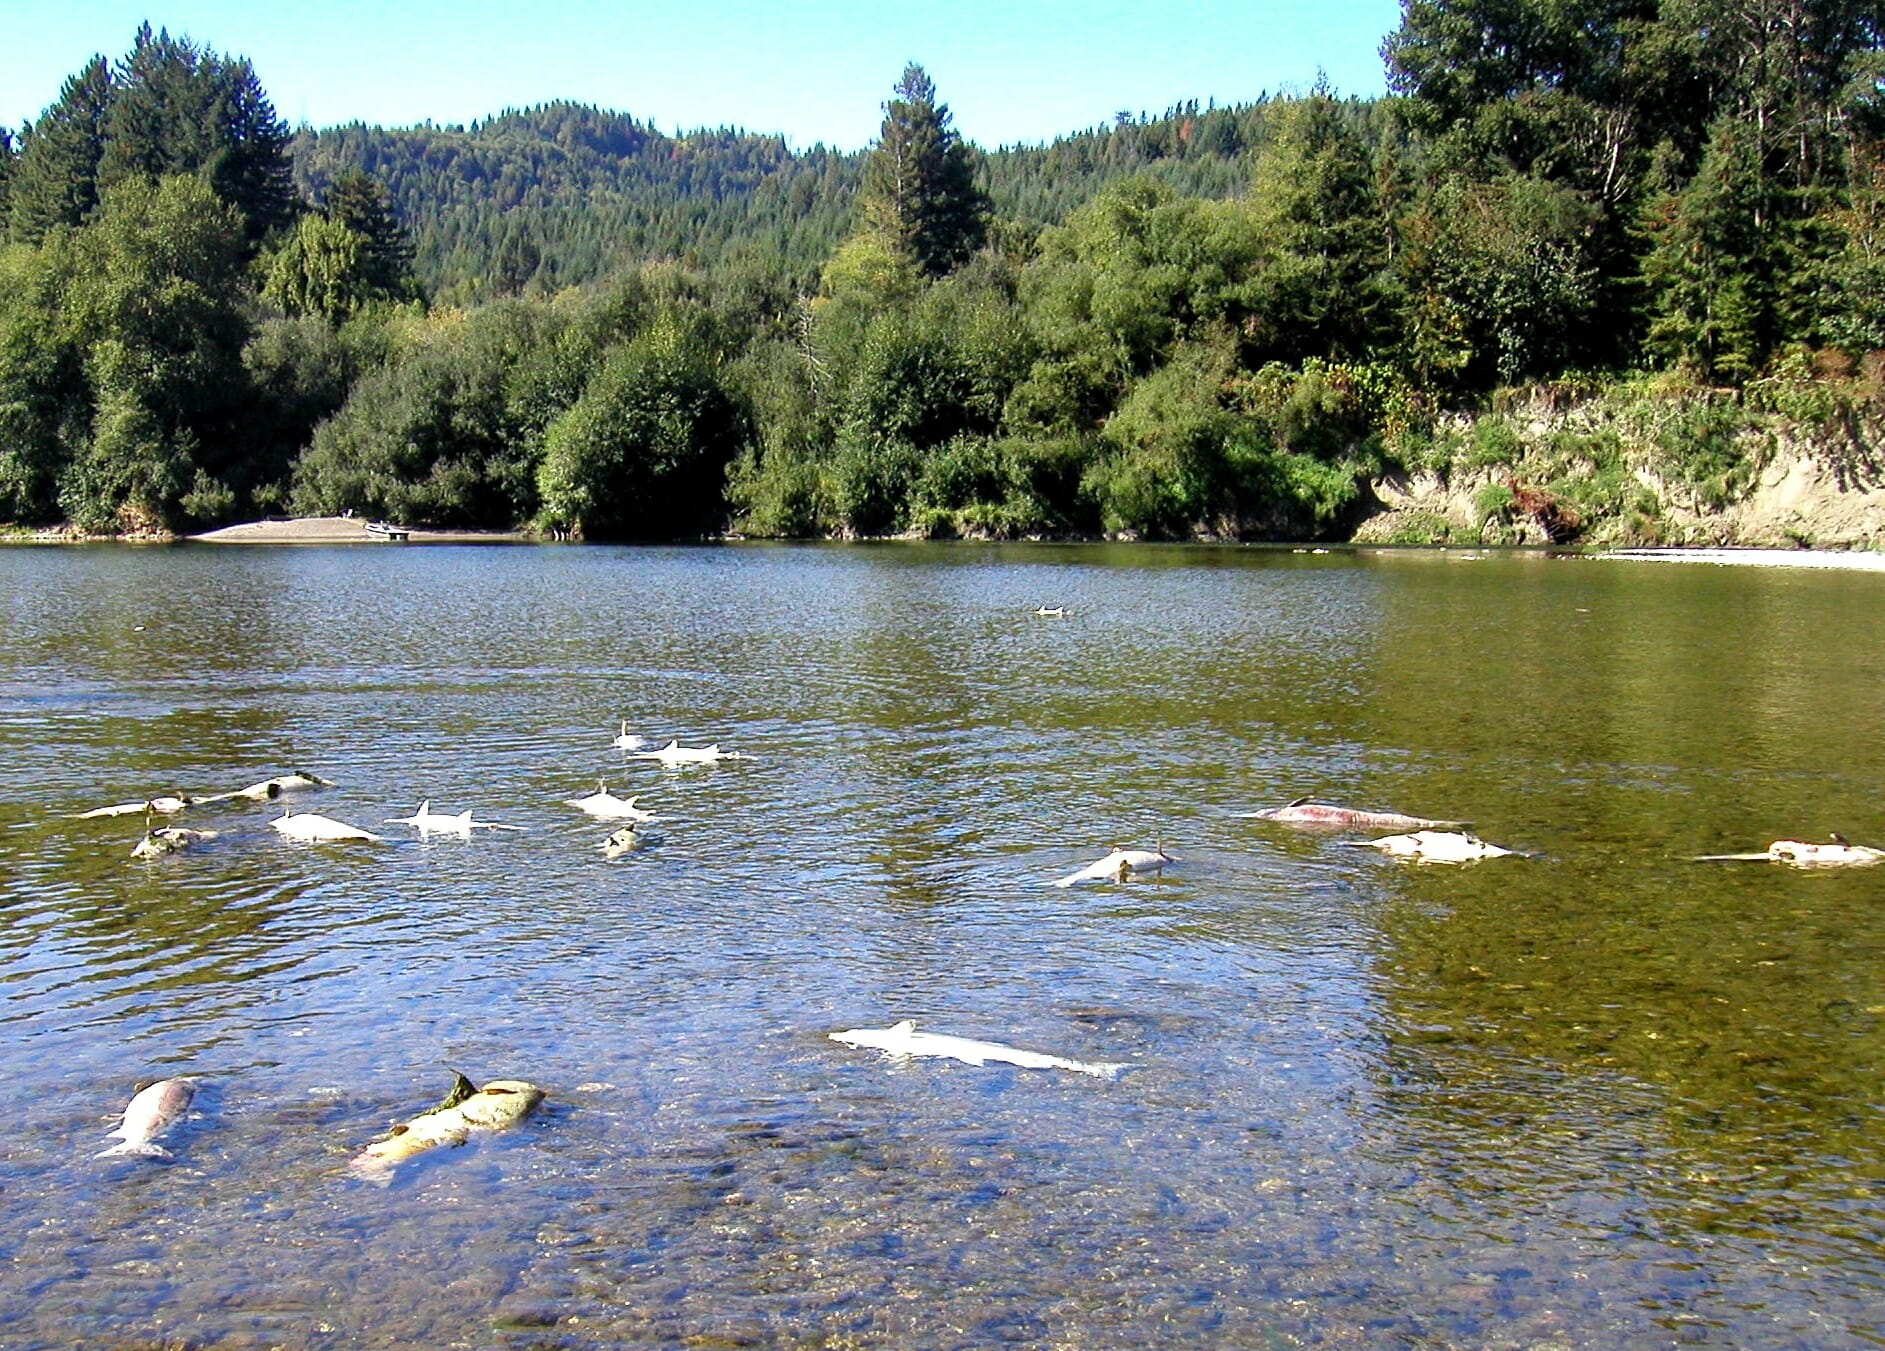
1217 320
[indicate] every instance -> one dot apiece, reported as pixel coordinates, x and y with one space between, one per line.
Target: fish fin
462 1088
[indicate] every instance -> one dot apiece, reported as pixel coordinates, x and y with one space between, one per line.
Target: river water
1596 1096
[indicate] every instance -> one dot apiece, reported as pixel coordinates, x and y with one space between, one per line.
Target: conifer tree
181 109
360 203
8 152
919 188
55 179
1325 242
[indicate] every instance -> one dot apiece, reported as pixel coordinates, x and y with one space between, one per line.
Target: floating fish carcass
623 841
153 1110
902 1039
168 805
167 840
674 754
313 828
1836 853
1303 812
607 806
1436 846
270 789
499 1104
428 822
1119 865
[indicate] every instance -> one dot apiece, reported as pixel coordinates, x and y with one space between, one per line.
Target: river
1595 1095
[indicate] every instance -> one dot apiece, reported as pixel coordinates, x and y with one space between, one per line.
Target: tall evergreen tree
919 187
181 109
1314 198
55 179
8 153
1710 268
360 203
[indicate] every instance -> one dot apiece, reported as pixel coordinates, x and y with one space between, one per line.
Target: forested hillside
1591 260
563 195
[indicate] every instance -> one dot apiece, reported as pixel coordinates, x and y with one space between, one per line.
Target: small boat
382 530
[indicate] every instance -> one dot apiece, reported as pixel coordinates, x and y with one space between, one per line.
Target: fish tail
140 1149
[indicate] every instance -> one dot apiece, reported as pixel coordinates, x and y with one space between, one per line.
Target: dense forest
1666 218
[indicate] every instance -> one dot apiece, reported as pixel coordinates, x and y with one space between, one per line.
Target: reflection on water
1596 1096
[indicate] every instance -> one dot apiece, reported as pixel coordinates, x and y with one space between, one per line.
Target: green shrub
1493 442
1492 501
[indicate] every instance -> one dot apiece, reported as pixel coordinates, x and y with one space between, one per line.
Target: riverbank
1853 560
344 530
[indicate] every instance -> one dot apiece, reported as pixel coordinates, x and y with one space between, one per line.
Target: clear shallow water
1600 1096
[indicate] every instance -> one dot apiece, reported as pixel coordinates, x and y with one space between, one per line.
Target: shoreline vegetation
341 530
1582 279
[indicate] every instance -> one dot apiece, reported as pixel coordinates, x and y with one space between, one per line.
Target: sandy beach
342 530
1853 560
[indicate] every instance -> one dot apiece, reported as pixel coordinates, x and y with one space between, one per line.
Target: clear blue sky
1011 71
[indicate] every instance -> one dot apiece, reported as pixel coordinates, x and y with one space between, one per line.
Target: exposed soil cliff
1598 477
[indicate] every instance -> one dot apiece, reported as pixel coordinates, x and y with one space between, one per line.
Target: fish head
501 1103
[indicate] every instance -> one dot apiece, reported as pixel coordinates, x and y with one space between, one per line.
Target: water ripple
1595 1097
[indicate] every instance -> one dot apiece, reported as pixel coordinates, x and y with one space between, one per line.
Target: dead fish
312 827
499 1104
1838 853
674 754
622 841
169 840
1119 865
159 806
428 822
1436 846
902 1039
602 803
153 1110
270 789
1303 812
